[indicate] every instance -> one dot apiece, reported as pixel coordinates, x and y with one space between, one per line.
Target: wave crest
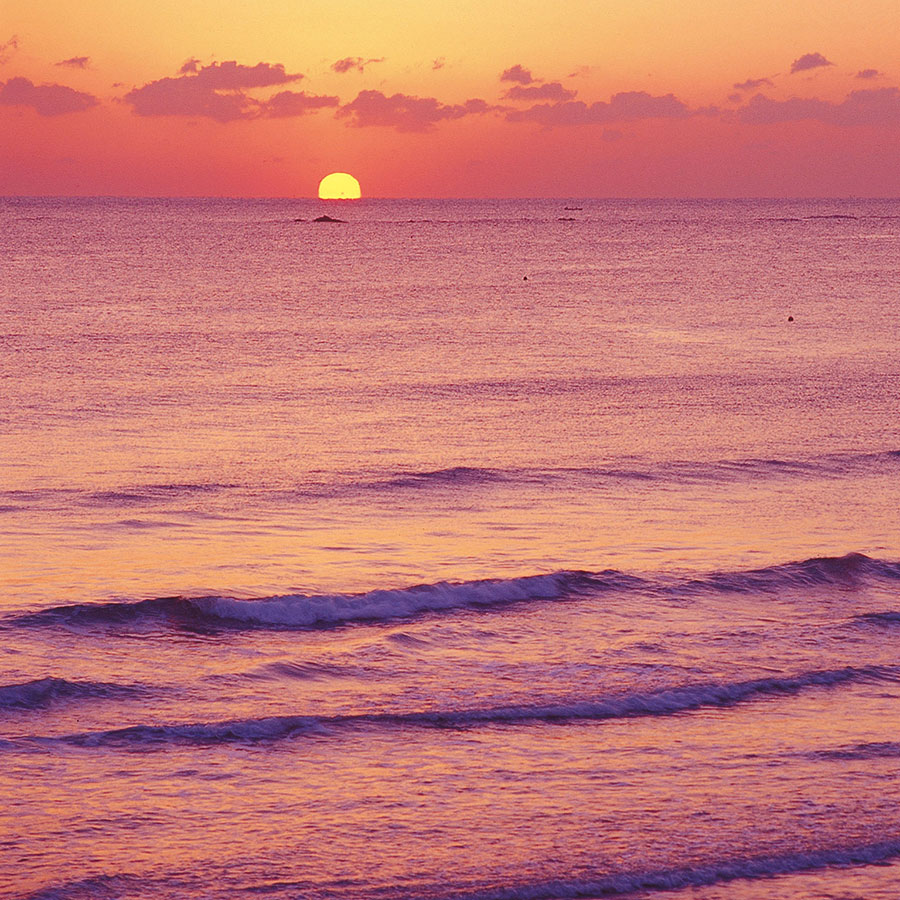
305 611
298 611
848 570
700 875
668 701
43 692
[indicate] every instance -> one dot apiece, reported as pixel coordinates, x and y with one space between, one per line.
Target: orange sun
339 186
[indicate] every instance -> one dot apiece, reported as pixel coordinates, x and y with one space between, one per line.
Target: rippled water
456 551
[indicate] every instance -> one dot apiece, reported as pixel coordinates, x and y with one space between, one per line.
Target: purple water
456 551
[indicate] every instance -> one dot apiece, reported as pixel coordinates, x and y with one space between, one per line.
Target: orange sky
418 98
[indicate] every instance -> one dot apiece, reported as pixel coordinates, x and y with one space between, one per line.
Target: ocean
460 550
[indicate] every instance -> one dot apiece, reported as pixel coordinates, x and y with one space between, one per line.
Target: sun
339 186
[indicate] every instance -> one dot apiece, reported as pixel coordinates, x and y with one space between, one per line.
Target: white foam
299 610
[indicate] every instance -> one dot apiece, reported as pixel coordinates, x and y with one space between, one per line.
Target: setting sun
339 186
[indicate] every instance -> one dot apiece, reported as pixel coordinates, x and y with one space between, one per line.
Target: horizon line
561 197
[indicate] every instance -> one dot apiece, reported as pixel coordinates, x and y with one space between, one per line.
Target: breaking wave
299 611
588 884
888 618
703 874
305 611
849 570
869 750
668 701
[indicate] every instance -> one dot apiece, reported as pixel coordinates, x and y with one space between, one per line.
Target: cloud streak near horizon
8 49
404 112
752 84
75 62
45 99
622 107
877 106
353 64
809 61
517 74
218 91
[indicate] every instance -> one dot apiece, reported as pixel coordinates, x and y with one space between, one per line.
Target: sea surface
462 550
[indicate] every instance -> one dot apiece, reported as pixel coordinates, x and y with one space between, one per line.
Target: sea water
497 550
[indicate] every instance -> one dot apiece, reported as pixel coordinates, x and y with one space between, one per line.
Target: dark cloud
583 71
752 84
809 61
552 90
232 76
353 64
403 112
45 99
8 48
188 96
295 103
214 92
622 107
518 75
76 62
869 73
880 106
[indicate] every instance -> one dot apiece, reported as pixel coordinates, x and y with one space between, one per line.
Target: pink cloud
752 84
214 92
809 61
869 73
622 107
583 71
230 75
552 90
76 62
295 103
188 96
517 74
353 63
8 48
880 106
439 63
45 99
403 112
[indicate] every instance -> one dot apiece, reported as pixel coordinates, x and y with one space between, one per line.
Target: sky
478 98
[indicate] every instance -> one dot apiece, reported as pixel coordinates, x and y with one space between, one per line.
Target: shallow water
454 551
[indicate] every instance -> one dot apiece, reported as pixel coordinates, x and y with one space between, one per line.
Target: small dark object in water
790 318
328 219
525 278
566 219
299 220
579 208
